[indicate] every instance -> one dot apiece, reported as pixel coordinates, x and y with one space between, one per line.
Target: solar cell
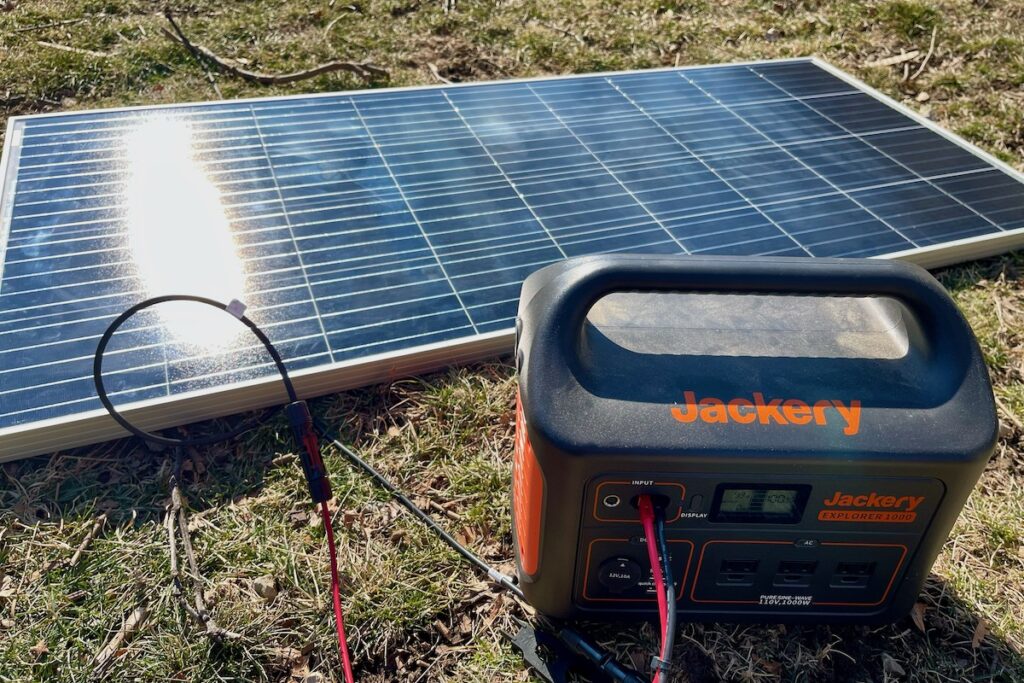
382 232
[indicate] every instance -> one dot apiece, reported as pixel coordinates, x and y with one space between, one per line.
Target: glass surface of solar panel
374 222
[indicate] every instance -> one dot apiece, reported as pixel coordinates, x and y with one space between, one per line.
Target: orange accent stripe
527 495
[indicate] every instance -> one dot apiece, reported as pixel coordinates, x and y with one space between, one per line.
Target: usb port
852 574
795 573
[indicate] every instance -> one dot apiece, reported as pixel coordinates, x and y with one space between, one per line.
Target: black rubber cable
384 483
603 660
576 641
101 391
670 593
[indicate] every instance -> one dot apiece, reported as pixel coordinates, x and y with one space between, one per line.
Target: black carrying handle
944 328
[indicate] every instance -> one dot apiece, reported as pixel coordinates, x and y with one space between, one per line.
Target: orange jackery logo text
869 507
776 411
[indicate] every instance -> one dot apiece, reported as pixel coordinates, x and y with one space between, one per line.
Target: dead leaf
290 656
980 631
266 588
298 518
891 667
39 649
917 615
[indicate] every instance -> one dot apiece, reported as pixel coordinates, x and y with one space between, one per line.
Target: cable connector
301 422
600 658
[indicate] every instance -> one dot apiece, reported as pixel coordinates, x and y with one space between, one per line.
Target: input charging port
657 500
852 574
611 501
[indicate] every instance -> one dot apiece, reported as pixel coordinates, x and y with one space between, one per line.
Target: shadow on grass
952 647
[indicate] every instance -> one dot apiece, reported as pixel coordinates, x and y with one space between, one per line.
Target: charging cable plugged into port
652 516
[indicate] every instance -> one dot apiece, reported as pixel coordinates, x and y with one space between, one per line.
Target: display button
619 574
696 502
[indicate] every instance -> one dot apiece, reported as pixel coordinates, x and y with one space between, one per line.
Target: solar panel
379 233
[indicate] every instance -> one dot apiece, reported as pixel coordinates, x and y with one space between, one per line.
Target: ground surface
415 612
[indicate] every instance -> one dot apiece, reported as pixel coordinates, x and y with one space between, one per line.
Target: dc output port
611 501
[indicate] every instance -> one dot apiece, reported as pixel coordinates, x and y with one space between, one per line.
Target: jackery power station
810 429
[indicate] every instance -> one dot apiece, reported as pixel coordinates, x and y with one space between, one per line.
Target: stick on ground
177 518
135 621
364 70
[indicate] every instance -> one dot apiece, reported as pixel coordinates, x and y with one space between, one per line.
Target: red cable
339 618
647 519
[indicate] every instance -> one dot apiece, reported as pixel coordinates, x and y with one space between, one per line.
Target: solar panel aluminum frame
96 425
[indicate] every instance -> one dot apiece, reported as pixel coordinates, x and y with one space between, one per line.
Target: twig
202 62
895 59
177 517
330 25
564 31
364 70
129 628
82 547
89 538
76 50
931 50
436 73
52 24
445 511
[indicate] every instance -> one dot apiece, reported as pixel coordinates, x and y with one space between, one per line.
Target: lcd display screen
759 503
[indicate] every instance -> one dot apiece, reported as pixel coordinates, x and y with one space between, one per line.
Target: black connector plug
301 422
600 658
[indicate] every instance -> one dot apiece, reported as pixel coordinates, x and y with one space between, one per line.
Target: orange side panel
527 495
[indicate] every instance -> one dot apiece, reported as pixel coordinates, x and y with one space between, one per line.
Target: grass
415 612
